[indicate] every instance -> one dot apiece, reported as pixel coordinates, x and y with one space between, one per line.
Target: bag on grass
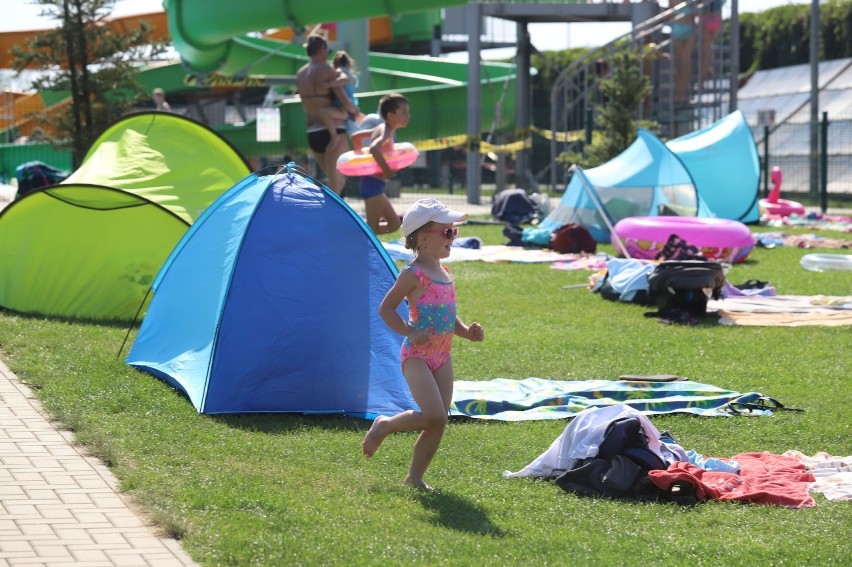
572 239
535 236
514 206
686 285
617 471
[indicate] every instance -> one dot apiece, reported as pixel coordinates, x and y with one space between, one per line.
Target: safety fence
822 174
786 146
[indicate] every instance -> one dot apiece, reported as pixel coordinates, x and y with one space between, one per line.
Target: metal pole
435 158
553 122
354 37
523 174
590 192
823 201
814 60
765 161
500 171
735 55
473 24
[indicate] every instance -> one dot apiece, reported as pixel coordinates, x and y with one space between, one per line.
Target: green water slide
211 36
203 30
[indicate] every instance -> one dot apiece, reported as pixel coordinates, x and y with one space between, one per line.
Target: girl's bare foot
374 437
418 484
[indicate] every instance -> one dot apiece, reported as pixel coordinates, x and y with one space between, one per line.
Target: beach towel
764 478
505 399
832 473
783 310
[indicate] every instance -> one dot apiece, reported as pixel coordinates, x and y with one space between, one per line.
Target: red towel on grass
764 478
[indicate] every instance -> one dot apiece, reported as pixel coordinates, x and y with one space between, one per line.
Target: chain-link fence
788 146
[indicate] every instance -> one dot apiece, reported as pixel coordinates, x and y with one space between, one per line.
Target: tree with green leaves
88 62
621 95
780 36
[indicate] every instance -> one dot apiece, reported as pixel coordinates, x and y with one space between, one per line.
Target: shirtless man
311 81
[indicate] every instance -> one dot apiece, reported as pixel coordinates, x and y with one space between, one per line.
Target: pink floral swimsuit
435 311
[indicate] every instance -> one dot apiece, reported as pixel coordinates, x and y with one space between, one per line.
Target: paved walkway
59 506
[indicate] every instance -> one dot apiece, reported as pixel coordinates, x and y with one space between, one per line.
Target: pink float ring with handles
781 207
719 239
773 205
357 164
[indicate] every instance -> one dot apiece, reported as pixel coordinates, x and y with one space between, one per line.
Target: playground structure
227 51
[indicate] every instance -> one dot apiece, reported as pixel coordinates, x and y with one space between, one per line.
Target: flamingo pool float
773 205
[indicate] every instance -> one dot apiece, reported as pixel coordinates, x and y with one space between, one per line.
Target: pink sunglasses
448 233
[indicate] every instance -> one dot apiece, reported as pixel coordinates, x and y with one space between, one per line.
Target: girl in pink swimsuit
425 353
435 312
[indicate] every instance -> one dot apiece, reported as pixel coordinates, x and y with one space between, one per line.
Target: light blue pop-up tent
270 303
646 179
723 161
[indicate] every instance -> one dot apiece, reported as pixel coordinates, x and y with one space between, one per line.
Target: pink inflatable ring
357 164
773 206
719 239
781 207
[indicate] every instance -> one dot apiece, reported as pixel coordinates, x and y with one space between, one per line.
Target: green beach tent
166 158
89 247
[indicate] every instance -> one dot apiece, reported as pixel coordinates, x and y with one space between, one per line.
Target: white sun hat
426 210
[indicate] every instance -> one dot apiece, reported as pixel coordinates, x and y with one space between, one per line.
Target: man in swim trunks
311 81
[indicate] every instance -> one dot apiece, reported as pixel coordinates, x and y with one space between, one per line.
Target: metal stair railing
575 87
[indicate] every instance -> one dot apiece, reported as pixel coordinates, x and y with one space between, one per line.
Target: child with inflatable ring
381 216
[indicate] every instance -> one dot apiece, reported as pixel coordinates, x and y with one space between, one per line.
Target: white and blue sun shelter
646 179
270 303
723 161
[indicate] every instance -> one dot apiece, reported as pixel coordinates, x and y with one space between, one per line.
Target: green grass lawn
295 490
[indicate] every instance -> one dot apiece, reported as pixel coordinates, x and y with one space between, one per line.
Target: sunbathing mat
772 239
531 399
594 263
490 253
783 310
819 222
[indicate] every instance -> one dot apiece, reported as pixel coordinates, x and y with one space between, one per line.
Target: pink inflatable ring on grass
773 206
781 207
719 239
357 164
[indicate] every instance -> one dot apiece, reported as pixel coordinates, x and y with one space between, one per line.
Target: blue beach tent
723 161
646 179
269 304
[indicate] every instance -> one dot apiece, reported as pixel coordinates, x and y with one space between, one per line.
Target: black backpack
514 206
35 175
686 285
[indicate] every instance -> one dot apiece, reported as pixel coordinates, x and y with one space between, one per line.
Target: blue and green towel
536 398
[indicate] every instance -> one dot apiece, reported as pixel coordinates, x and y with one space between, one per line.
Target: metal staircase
574 95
